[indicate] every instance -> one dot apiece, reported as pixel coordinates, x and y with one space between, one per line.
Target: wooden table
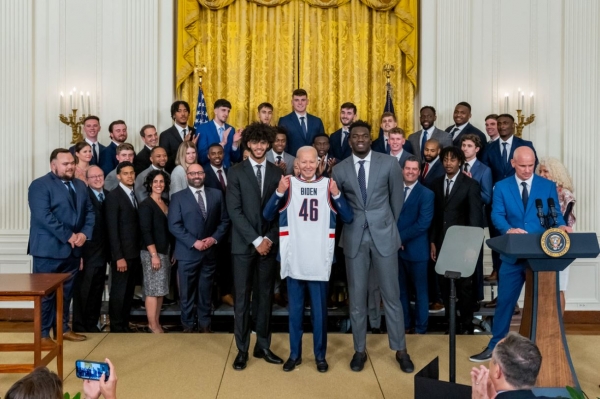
33 287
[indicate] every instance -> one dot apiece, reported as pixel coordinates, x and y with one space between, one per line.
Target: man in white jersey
307 239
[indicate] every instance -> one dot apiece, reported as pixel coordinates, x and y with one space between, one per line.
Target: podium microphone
540 212
551 213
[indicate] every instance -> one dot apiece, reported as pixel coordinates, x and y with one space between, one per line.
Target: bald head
307 162
524 162
307 151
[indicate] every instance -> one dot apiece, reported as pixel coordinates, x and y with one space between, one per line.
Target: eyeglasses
195 174
95 176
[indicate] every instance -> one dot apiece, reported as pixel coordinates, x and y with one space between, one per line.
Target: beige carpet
199 366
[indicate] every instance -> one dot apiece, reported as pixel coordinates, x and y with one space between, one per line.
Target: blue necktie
387 147
453 132
72 192
504 154
423 141
101 197
303 125
94 155
406 192
524 195
221 130
362 181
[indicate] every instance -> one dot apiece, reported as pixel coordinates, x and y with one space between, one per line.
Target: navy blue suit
469 129
108 158
296 137
196 268
493 158
435 172
338 150
413 225
54 219
507 213
212 180
209 135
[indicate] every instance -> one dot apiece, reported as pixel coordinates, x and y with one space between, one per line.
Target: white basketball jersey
307 231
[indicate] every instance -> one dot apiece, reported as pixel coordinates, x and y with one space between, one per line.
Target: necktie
454 132
221 131
387 147
504 154
94 155
101 197
303 125
278 159
448 181
133 200
222 180
259 178
201 203
362 181
425 169
524 195
423 141
406 192
344 138
466 167
183 132
72 192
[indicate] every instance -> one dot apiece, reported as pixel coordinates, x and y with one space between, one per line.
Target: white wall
123 53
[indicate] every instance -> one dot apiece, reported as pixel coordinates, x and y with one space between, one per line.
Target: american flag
201 115
389 105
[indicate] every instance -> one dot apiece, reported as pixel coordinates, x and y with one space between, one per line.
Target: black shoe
240 360
404 361
358 361
322 366
269 356
375 330
483 356
291 364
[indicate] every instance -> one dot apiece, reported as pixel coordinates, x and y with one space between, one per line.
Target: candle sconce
522 120
72 120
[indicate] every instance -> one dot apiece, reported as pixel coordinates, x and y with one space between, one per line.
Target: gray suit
440 135
372 241
110 181
139 189
287 158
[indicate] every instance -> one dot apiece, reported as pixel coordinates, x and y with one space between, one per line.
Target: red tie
223 185
425 169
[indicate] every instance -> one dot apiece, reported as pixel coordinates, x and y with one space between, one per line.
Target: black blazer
519 394
142 160
96 250
123 226
336 149
469 129
154 226
436 171
170 140
461 208
245 206
212 180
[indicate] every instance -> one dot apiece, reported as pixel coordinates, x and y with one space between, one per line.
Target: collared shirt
398 155
508 147
528 181
410 189
148 147
367 164
180 129
432 163
345 134
69 183
429 133
257 241
154 167
460 129
92 144
128 191
471 162
305 116
97 194
215 169
450 183
275 155
202 194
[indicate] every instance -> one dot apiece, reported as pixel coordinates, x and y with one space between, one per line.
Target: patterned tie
303 125
425 170
406 192
201 203
278 159
259 178
183 132
362 181
222 180
453 132
423 141
448 187
524 195
221 131
504 154
133 200
94 155
101 197
72 192
466 167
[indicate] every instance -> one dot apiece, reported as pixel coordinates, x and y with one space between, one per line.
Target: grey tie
201 203
133 200
362 181
303 125
259 178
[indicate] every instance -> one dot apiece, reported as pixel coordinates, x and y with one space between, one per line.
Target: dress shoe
269 356
322 366
483 356
409 331
358 361
205 330
403 359
48 343
491 304
240 360
291 364
73 336
227 299
491 277
189 330
436 308
375 330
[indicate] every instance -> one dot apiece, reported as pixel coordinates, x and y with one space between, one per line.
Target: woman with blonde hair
83 157
186 156
553 169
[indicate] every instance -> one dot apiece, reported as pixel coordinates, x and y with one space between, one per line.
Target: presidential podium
542 320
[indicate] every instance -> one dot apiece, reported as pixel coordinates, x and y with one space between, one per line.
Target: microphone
540 212
551 212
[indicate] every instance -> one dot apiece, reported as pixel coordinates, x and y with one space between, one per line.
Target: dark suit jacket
170 140
295 138
493 158
245 206
154 226
212 180
336 149
96 251
54 217
142 160
187 224
209 135
405 155
123 225
519 394
414 222
483 175
462 207
99 149
436 171
108 158
470 129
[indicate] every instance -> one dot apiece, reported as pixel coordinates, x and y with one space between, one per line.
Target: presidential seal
555 243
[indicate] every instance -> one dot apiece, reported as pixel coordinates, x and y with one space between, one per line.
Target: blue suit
492 157
413 225
296 137
108 158
54 219
507 213
209 135
338 150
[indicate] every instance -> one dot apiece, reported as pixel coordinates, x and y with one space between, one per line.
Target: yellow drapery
260 50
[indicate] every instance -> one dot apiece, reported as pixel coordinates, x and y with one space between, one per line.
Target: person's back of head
41 383
519 359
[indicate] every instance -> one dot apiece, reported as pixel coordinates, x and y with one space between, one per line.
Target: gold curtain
261 50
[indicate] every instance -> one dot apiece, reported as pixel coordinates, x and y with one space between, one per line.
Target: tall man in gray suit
418 139
372 184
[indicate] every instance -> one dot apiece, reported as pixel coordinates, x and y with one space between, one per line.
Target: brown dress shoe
73 336
491 304
491 277
48 343
227 299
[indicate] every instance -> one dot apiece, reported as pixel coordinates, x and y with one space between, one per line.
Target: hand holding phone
89 370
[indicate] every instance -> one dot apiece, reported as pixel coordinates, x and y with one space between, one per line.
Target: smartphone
89 370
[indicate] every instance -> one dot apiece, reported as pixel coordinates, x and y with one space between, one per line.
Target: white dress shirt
305 116
528 181
180 131
367 164
508 147
450 183
202 194
128 191
429 133
471 162
460 129
410 188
